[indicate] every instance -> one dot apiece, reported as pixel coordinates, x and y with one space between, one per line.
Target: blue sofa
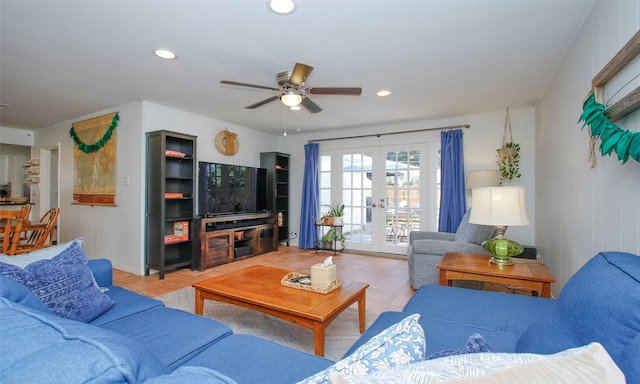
139 340
600 303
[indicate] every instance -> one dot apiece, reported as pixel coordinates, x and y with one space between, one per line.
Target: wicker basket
332 286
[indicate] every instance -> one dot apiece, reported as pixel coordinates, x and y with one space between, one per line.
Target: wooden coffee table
527 274
258 287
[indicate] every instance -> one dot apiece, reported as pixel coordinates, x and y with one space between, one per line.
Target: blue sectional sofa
136 339
600 303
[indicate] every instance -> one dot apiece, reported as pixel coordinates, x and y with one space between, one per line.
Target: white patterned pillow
401 344
41 254
590 364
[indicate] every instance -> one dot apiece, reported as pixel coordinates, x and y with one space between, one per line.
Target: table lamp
500 207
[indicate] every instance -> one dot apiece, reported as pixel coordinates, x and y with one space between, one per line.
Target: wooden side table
525 273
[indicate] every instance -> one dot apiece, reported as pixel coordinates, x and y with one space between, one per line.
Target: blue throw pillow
475 344
18 293
64 284
400 344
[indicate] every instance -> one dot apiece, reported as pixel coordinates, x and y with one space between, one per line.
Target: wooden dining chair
39 235
11 224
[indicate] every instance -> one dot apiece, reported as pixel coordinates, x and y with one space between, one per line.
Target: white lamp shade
291 99
503 206
482 178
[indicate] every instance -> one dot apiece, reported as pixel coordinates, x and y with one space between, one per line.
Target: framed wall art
617 85
94 160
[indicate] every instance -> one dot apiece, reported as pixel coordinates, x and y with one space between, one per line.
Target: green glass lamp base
502 249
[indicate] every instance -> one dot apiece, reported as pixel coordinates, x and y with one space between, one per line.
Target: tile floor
388 278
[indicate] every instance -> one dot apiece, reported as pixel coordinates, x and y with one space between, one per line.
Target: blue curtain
310 197
452 190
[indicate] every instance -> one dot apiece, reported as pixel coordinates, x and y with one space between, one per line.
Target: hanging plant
508 154
509 161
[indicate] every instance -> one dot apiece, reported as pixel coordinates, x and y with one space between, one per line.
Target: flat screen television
231 189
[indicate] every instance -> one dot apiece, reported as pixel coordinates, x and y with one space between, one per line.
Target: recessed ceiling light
383 93
165 54
281 7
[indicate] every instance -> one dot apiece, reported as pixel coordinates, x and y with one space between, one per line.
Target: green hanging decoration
89 148
612 138
508 154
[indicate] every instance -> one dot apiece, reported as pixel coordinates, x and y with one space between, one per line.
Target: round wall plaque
227 142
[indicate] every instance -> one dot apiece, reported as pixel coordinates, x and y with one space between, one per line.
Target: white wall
480 144
16 136
251 143
109 232
582 211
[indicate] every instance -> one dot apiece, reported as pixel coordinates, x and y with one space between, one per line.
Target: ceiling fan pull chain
285 121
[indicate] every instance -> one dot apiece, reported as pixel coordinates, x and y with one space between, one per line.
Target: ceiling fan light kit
291 99
293 90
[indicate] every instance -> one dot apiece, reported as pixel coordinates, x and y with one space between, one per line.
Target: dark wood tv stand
227 238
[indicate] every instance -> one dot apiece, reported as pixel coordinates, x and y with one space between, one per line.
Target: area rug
340 334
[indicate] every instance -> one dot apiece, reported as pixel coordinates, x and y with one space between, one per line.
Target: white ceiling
64 59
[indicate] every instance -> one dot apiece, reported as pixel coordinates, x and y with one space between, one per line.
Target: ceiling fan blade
335 91
263 102
310 105
248 85
300 74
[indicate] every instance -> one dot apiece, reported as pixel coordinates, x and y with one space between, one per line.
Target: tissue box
321 276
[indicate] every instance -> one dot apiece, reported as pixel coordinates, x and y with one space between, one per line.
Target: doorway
49 192
385 191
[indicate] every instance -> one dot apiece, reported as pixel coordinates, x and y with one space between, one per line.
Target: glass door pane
381 190
402 187
356 191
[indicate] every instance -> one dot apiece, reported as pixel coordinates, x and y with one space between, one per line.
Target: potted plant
333 240
338 243
509 161
336 212
327 239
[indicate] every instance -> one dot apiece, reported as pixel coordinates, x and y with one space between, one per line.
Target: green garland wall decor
612 138
89 148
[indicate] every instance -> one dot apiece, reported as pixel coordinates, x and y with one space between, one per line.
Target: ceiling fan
293 91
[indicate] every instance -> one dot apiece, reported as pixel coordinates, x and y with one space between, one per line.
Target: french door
384 190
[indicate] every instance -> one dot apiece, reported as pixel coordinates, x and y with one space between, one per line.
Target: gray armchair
427 248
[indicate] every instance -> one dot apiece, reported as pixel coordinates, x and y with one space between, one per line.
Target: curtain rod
392 133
